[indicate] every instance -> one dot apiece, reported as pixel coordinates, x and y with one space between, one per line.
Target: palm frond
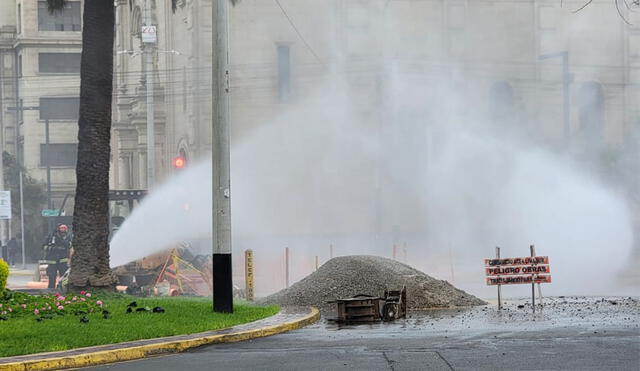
55 5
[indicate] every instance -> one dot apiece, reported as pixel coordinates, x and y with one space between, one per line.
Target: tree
90 264
627 5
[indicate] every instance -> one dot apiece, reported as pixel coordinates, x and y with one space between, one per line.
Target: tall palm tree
90 263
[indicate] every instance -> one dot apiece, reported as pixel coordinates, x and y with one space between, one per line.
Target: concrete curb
21 273
127 352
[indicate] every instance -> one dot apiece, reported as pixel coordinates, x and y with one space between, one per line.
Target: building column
142 169
124 181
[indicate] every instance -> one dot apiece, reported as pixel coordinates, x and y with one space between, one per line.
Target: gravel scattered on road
347 276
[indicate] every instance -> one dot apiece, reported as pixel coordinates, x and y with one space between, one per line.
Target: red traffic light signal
179 162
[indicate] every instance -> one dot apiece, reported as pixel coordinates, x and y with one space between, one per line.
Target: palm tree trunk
90 263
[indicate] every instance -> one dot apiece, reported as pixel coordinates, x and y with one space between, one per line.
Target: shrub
4 273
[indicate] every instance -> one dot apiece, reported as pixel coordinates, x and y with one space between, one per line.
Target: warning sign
512 271
515 280
525 269
516 271
530 260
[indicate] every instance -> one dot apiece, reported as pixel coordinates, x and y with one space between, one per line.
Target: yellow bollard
248 274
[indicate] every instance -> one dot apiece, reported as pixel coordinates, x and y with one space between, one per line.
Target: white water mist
315 177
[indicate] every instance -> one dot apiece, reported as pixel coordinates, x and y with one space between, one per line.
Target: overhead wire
295 28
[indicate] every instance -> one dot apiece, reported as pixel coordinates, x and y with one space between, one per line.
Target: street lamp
19 109
148 49
567 79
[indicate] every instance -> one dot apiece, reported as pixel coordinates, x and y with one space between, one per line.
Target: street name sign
51 212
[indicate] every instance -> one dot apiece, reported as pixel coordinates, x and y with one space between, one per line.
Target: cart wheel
390 311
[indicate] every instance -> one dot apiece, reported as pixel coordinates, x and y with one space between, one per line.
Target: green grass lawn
62 329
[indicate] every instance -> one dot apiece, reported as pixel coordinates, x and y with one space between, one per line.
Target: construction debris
347 276
367 308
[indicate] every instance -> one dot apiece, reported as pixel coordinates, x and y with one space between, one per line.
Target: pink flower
0 305
24 306
67 302
36 311
74 298
60 307
83 299
10 309
99 303
88 295
82 292
61 298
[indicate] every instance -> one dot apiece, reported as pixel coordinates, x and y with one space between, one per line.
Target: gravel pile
347 276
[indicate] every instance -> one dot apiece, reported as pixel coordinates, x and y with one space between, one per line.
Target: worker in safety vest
57 250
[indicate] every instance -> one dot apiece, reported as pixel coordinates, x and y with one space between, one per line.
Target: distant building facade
40 70
279 55
503 58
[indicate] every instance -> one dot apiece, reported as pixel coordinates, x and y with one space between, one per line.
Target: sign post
533 285
499 286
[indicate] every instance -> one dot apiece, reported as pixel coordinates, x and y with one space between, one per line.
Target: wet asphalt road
574 333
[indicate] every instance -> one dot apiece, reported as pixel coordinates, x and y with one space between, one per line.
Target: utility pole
4 224
24 258
47 141
148 43
19 109
19 159
221 177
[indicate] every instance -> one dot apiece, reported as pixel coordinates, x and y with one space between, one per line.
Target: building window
59 108
284 73
59 62
21 112
591 113
59 154
184 89
20 158
67 19
501 101
19 18
19 66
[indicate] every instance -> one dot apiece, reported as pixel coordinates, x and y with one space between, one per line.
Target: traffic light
179 162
